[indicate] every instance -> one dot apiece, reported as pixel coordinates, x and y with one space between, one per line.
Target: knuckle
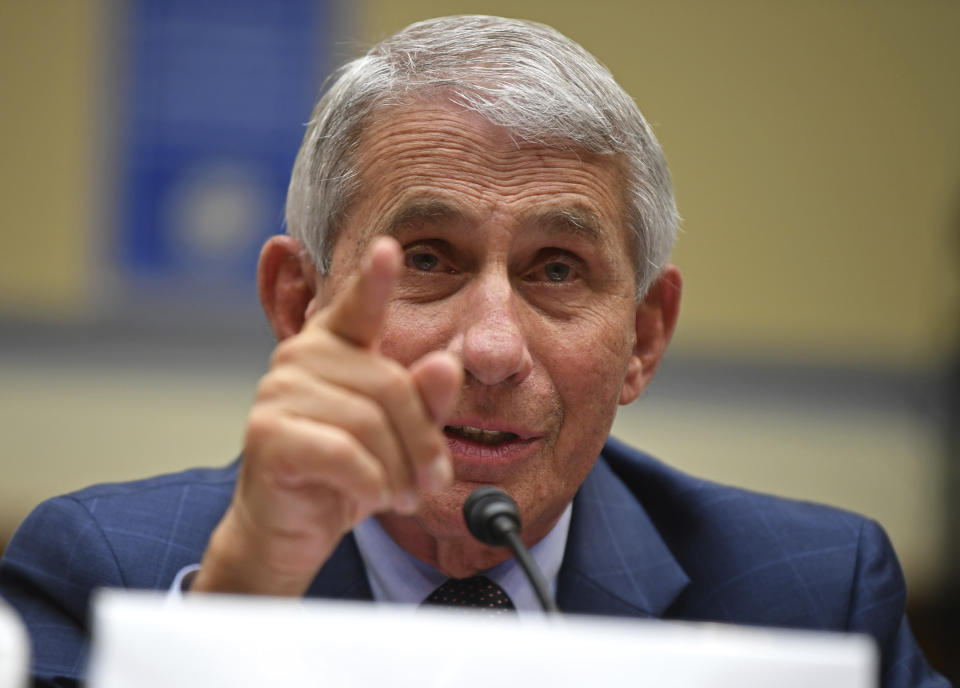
369 419
279 382
437 444
397 386
293 349
337 446
430 444
377 478
285 471
262 424
284 352
340 447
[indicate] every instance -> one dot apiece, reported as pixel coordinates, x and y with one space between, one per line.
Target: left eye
556 272
424 261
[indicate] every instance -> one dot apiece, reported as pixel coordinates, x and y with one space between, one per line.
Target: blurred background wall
815 150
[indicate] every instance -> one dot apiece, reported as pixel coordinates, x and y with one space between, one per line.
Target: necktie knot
477 592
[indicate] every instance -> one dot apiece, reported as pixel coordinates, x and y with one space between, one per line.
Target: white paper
212 640
14 649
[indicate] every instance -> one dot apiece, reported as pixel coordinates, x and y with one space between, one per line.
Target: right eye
422 261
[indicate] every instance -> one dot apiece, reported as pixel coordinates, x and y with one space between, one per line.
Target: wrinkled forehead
406 146
431 159
521 123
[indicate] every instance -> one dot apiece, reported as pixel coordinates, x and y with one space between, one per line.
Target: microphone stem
523 556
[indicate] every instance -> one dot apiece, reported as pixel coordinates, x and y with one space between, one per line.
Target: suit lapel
615 562
343 576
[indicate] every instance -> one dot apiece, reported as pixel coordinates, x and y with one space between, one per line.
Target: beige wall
815 149
49 85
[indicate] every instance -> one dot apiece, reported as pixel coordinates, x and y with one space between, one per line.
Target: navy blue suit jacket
645 541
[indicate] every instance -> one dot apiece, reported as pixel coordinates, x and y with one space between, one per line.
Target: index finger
357 313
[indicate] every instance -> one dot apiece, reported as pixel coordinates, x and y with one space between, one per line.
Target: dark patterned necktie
477 592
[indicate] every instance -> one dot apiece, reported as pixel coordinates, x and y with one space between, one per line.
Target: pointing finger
358 311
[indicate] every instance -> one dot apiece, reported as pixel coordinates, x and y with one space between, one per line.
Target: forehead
435 160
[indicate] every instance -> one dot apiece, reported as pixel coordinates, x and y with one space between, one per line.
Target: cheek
587 366
411 332
590 359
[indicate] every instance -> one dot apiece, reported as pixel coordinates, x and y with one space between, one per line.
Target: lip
522 432
484 463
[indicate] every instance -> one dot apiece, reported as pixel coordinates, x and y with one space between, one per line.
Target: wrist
236 564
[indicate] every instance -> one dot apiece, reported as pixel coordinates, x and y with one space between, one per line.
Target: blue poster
215 99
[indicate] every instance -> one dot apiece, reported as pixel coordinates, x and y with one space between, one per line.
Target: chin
441 515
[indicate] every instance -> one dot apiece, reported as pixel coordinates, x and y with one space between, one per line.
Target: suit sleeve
57 557
877 603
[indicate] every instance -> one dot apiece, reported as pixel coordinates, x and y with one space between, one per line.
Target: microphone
493 518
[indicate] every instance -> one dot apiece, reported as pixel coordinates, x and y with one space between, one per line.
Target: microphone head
490 513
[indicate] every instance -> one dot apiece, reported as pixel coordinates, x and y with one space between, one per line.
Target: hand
337 432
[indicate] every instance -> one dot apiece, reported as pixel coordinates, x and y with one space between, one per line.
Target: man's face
518 260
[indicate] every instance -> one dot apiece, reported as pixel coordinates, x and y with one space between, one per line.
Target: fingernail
386 499
438 474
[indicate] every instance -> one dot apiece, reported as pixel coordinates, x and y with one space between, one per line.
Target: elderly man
476 276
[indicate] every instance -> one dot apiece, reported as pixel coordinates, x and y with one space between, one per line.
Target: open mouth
487 437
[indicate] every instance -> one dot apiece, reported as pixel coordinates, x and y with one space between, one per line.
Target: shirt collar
395 575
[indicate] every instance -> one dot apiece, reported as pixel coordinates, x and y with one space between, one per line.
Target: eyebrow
576 220
421 210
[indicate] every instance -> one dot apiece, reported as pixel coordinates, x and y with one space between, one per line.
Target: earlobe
655 321
632 385
286 283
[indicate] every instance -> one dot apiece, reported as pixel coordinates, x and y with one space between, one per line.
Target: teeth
481 436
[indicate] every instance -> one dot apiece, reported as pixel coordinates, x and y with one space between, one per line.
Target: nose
492 344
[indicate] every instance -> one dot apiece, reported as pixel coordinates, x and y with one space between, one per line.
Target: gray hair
524 76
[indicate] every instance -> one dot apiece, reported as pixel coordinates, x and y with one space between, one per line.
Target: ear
287 284
656 318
